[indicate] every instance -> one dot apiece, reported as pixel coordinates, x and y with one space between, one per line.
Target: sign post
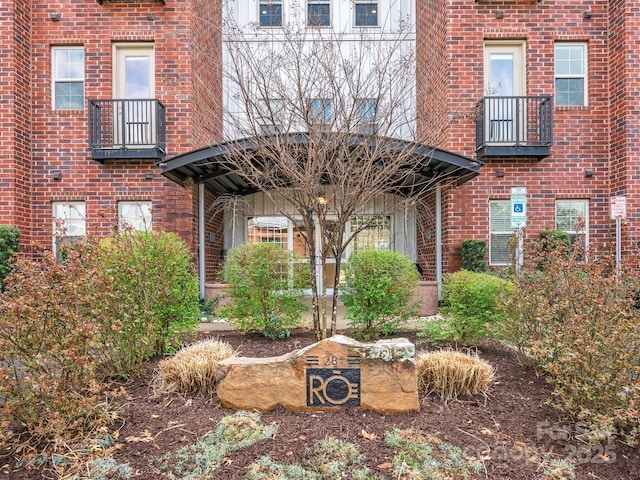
619 213
518 219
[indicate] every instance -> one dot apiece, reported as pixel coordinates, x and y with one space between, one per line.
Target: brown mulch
516 431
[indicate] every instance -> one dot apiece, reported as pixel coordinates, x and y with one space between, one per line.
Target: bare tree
325 121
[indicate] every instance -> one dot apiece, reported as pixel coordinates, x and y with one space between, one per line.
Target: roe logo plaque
330 387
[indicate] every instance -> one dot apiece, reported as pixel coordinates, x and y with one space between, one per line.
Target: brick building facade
566 128
45 157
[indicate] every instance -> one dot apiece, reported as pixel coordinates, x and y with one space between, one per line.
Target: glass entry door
504 82
133 83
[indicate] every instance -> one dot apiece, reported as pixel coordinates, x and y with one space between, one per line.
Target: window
318 13
135 215
374 236
500 232
271 13
67 74
69 223
366 13
271 116
320 111
571 73
572 216
268 230
366 115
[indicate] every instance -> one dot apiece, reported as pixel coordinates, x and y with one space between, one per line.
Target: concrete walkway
307 320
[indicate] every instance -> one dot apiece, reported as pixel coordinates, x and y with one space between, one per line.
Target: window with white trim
320 111
366 13
366 115
271 13
271 116
135 215
318 13
268 230
69 223
500 232
374 234
571 74
572 216
67 78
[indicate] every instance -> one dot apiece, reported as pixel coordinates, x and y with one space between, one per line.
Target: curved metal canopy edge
207 164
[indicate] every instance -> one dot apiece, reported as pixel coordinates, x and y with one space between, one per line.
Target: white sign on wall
618 207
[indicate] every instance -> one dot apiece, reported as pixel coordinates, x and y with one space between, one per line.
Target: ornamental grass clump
193 368
451 374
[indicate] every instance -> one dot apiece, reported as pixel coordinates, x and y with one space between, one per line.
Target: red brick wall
15 117
580 133
60 137
624 71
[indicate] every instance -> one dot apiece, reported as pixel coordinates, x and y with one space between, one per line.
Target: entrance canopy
211 166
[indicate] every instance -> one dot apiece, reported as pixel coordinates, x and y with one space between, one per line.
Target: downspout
439 239
201 240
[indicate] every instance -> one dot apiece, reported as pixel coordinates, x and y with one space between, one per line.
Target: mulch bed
513 430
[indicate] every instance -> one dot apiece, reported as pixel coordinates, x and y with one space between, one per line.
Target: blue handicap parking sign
518 208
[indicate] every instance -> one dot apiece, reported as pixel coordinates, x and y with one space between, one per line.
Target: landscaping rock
335 373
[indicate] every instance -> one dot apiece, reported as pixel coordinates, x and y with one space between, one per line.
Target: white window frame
69 220
59 77
366 115
318 2
270 4
320 111
140 220
583 75
571 204
506 205
380 231
271 116
360 3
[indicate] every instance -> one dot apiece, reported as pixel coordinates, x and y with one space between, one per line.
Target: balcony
127 129
514 127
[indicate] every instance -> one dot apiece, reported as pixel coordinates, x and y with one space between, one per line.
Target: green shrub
9 243
469 307
261 288
575 321
380 292
153 277
473 255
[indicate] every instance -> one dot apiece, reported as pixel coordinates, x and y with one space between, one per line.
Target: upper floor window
135 215
366 13
271 116
571 73
366 115
572 216
320 111
319 13
271 13
69 224
67 75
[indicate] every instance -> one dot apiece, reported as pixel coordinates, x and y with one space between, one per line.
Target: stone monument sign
335 373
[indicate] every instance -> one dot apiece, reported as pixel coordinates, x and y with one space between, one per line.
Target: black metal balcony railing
514 127
127 129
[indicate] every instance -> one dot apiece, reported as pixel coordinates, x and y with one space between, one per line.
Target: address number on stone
328 387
